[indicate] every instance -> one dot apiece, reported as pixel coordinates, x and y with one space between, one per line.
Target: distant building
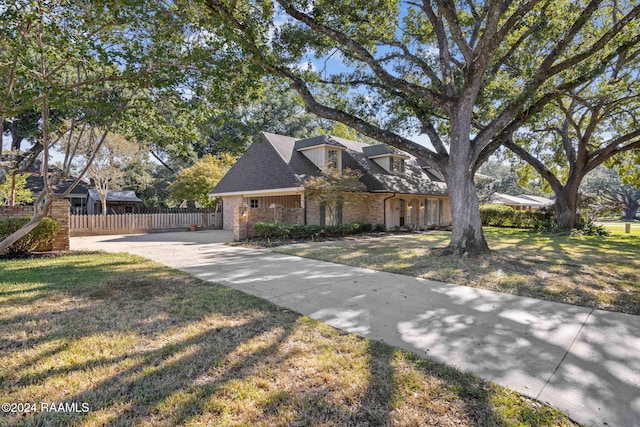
521 201
118 202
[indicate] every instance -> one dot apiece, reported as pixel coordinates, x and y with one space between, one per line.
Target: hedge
506 216
277 230
42 235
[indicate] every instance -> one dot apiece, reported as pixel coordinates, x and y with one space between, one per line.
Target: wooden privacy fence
141 223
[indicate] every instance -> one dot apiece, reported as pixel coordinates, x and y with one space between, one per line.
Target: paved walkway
584 362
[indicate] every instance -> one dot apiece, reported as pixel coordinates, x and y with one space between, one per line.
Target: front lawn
619 227
588 271
128 342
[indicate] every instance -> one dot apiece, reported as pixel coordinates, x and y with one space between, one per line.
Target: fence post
627 228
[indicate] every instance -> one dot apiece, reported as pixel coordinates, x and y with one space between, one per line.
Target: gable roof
274 162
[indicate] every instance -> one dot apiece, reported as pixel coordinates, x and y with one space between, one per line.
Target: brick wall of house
293 215
370 210
446 215
243 224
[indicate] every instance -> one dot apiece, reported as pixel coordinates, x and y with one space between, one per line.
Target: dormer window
323 152
396 165
332 159
389 159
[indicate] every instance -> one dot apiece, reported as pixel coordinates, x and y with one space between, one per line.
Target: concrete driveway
584 362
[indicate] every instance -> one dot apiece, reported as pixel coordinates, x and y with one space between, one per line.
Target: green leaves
196 182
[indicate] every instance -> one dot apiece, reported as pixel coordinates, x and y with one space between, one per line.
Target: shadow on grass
143 345
588 271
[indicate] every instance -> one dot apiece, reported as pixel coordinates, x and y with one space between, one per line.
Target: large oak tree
465 74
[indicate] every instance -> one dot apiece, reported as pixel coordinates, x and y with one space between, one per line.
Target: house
118 202
271 175
77 197
521 202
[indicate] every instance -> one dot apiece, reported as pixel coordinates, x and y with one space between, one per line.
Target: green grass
142 344
619 228
588 271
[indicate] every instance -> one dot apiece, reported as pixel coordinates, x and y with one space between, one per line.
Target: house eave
270 192
397 156
313 147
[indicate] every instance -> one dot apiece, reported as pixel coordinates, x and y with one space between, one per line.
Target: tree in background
22 195
465 74
105 165
276 109
610 194
628 167
196 182
503 177
333 189
581 130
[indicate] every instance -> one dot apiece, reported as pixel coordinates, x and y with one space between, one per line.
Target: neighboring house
272 173
77 198
521 201
35 182
118 202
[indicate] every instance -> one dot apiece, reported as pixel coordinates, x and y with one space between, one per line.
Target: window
332 159
397 165
330 216
253 203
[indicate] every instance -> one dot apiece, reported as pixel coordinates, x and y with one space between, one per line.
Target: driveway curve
584 362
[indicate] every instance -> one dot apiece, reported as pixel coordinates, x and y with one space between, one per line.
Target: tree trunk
630 210
103 203
567 206
467 236
40 210
18 234
16 141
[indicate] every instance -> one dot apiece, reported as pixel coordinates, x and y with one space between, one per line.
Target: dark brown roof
274 163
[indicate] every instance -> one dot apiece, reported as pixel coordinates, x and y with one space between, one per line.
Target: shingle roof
35 183
117 196
274 163
316 140
380 150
